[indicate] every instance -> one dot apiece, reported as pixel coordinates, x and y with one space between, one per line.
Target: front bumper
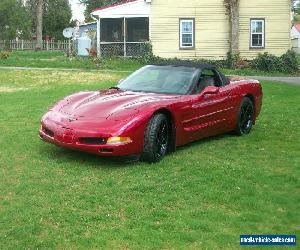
70 138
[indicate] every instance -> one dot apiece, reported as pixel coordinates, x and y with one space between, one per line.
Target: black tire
245 117
156 139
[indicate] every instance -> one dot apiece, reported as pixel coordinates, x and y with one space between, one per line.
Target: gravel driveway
290 80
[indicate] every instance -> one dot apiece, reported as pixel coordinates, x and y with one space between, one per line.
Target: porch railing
132 49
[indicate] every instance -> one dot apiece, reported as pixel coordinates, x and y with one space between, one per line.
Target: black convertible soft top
195 65
186 64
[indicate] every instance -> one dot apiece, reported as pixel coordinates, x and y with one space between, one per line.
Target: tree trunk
39 23
235 29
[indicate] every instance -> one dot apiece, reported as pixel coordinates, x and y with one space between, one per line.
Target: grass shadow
204 141
97 161
91 160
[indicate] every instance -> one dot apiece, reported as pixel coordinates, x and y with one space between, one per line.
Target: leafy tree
57 15
39 22
94 4
14 20
297 8
295 4
31 6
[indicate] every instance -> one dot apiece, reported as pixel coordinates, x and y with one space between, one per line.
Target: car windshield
161 79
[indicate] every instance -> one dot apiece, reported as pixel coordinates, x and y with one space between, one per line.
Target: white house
191 29
124 28
295 36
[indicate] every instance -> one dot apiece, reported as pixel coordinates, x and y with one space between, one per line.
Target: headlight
118 140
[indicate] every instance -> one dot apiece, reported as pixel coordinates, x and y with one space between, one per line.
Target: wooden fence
31 45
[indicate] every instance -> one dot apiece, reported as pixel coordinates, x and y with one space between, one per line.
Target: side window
208 77
207 73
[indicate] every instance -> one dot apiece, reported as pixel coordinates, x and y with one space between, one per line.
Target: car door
210 107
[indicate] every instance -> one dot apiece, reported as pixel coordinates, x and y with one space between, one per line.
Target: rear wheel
156 139
245 117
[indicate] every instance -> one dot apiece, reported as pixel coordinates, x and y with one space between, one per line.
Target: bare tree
233 11
39 23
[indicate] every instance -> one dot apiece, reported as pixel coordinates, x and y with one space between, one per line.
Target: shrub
230 60
4 54
92 52
290 62
266 62
148 57
286 63
235 61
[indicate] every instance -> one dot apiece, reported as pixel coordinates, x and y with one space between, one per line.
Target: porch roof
130 8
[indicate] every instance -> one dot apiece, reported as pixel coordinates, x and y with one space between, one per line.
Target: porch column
124 34
99 37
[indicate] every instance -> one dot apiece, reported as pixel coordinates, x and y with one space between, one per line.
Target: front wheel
156 139
245 117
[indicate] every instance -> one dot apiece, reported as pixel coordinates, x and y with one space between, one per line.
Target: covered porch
122 29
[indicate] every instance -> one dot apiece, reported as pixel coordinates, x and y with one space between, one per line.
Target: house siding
277 15
212 27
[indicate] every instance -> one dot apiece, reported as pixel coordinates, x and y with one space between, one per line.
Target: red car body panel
74 121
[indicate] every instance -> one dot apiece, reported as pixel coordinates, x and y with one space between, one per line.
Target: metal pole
124 27
98 34
69 47
99 37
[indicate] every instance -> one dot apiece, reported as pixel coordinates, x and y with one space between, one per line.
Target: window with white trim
257 30
187 33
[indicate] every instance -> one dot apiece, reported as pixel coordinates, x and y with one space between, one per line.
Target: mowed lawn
201 197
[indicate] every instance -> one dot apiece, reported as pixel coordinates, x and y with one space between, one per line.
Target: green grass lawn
50 59
201 197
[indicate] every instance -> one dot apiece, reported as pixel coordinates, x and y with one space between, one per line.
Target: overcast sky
77 10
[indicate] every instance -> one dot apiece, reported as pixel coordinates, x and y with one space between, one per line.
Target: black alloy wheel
156 139
245 117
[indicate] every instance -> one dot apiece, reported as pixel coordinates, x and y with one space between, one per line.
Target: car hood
109 103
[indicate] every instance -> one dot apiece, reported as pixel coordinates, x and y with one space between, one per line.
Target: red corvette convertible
154 110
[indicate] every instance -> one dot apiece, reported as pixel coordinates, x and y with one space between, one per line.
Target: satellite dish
68 32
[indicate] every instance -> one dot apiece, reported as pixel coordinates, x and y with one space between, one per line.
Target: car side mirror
210 90
120 81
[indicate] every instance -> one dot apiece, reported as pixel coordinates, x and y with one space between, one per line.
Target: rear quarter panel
242 87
